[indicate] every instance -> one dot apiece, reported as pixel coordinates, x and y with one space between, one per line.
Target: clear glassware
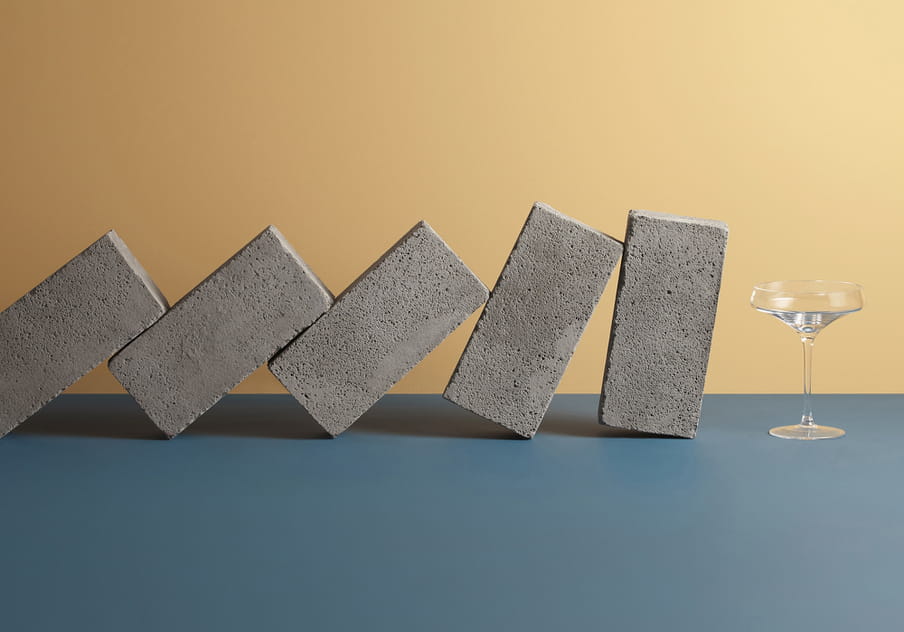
807 307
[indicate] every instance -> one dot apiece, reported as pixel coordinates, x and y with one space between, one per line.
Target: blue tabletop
424 517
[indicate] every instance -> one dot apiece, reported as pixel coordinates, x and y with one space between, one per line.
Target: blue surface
423 517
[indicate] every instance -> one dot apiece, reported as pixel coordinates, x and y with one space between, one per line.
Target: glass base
806 433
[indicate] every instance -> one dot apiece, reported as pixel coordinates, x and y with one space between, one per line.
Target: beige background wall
188 126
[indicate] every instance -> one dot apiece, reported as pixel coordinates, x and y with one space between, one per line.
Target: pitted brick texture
533 320
220 332
70 323
662 328
387 321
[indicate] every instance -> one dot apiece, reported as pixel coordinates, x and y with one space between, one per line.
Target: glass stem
806 418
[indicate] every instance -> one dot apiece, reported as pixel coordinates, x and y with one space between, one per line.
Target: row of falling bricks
339 355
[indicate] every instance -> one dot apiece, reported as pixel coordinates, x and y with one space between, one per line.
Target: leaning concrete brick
533 320
379 328
665 309
70 323
220 332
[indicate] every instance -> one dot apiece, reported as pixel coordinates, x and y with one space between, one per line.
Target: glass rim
831 286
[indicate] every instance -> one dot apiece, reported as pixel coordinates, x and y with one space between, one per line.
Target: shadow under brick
427 416
98 416
258 415
120 417
575 415
266 416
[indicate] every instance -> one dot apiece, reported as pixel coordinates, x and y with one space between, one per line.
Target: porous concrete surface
662 328
70 323
221 331
379 328
533 320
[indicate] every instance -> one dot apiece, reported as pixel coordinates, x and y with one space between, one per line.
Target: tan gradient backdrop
188 126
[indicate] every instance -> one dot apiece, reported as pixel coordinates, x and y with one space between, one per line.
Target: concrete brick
386 322
662 328
220 332
533 320
70 323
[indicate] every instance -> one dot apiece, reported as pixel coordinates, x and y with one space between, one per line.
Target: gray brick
220 332
533 320
662 328
386 322
70 323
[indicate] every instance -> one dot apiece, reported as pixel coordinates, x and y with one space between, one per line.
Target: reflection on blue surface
425 517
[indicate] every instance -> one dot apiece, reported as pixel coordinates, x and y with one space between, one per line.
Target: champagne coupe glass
807 307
